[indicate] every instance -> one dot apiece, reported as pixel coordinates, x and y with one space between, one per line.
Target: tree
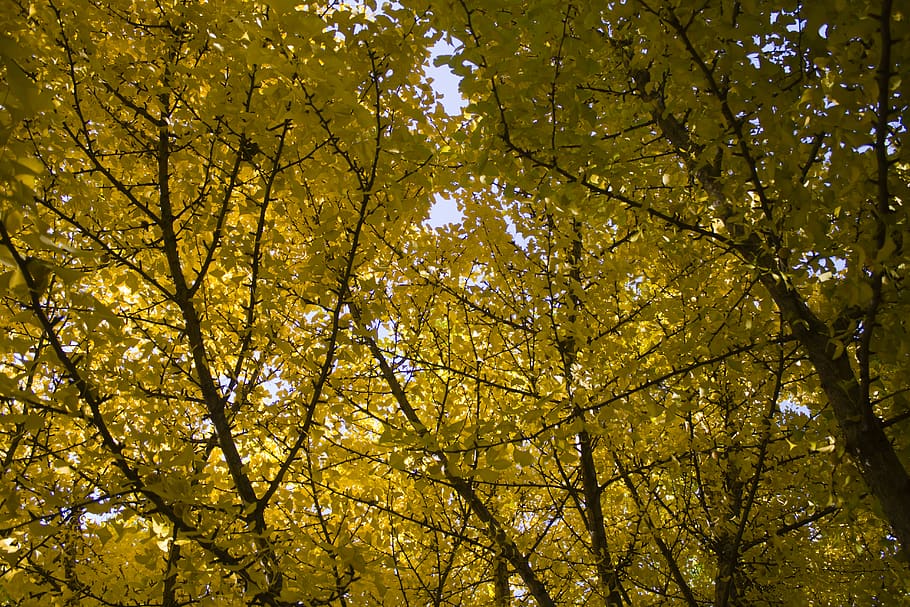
208 200
241 370
772 131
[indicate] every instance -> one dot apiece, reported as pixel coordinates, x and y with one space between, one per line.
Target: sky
444 211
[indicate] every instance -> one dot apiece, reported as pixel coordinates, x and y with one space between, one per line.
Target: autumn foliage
662 357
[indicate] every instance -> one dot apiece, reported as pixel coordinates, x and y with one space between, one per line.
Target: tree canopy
661 359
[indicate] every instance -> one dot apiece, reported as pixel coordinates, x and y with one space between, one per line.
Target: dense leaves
661 359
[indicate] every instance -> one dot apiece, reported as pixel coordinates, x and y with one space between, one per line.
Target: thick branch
495 530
